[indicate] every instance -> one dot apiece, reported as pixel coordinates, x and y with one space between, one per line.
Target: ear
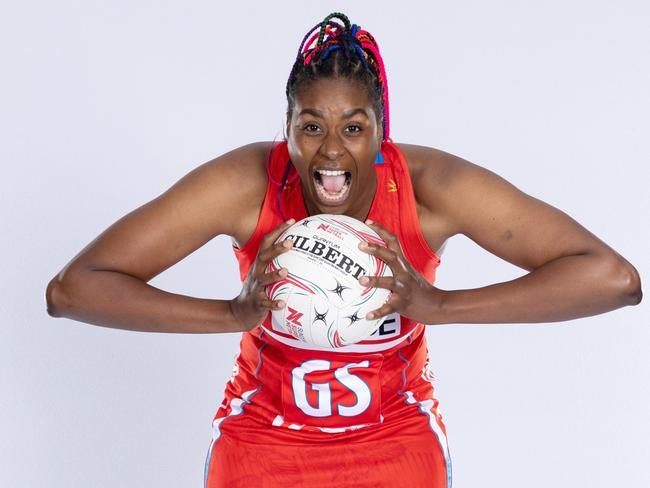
287 125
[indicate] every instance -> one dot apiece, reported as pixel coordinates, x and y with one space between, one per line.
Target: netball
325 303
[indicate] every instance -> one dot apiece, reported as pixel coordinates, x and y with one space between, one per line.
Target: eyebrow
347 114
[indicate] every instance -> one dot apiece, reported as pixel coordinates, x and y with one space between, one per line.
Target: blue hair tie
329 50
360 53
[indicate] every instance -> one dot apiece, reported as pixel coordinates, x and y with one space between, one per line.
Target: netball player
364 415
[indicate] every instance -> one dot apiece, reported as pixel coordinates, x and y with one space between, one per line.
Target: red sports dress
362 415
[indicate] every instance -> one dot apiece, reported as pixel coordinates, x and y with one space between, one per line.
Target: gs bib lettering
332 392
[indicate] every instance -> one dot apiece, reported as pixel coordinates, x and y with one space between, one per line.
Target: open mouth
332 186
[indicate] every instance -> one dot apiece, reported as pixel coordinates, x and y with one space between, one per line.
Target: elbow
628 283
634 292
55 297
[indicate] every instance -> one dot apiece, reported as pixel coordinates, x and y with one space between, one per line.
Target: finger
268 304
391 240
272 277
395 261
387 282
385 254
272 236
382 311
266 255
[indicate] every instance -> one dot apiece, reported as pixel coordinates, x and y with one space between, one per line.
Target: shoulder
428 163
221 196
438 179
456 196
232 187
452 192
249 159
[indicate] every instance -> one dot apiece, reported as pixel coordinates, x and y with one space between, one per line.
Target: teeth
332 196
327 172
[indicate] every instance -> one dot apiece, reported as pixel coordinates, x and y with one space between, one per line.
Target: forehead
332 94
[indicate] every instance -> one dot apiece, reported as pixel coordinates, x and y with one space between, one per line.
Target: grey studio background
104 105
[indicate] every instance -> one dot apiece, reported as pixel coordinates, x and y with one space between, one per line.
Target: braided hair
334 49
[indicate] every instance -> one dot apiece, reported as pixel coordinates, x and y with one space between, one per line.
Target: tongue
333 184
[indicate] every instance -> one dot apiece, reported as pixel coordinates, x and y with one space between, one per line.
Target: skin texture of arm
572 273
106 283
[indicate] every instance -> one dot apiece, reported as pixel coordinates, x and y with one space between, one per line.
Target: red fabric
405 454
325 418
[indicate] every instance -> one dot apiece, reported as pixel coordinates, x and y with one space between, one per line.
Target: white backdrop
104 105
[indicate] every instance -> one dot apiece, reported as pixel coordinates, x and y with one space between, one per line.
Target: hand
253 304
412 295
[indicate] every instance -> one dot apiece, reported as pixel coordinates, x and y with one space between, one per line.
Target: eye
311 128
353 128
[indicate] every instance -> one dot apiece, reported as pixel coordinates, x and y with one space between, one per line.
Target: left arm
572 273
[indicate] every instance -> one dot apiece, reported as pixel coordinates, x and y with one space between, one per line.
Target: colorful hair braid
329 49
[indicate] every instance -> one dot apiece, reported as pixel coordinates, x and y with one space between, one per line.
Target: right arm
106 284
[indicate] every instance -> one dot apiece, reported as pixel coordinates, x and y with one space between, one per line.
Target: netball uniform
362 415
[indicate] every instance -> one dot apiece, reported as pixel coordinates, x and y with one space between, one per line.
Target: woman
338 158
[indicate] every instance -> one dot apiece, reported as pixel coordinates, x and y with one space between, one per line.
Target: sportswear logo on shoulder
392 186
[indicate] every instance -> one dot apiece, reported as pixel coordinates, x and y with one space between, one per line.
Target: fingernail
364 280
283 272
370 316
291 221
287 243
363 245
281 304
368 221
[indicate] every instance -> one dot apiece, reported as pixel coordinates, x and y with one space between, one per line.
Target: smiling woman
363 415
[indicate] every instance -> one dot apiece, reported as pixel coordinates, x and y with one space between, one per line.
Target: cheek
298 145
303 148
299 157
366 158
296 152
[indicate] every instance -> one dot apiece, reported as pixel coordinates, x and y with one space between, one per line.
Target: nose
332 147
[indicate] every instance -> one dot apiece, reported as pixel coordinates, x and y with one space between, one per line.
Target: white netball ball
325 303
